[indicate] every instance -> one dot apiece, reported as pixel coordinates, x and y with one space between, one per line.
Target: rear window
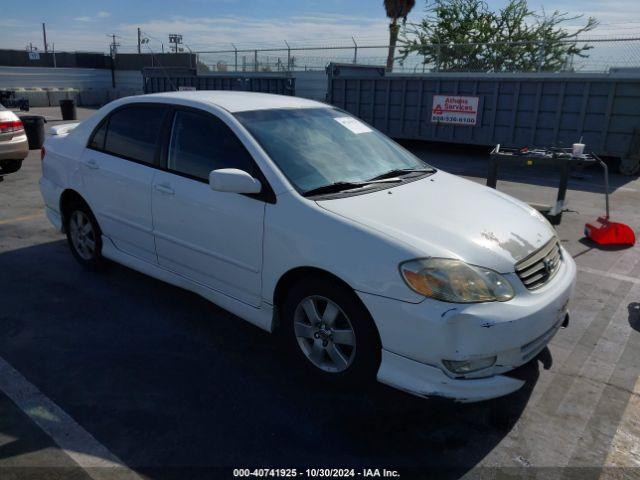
133 133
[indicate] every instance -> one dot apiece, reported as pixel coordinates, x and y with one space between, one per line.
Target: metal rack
559 157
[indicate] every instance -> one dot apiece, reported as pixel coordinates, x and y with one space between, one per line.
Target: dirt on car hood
447 216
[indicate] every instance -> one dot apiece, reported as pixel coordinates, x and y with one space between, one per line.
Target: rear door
117 170
213 238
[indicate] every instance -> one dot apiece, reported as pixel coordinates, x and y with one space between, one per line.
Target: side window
97 141
133 132
201 143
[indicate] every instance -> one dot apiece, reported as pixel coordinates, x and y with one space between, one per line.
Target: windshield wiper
335 187
402 171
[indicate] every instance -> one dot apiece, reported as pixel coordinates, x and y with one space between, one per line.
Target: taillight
10 126
43 152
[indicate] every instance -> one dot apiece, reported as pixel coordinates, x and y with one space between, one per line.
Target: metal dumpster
174 79
534 109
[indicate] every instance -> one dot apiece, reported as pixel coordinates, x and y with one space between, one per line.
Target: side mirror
234 181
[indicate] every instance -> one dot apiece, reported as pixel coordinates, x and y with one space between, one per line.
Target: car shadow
591 245
171 383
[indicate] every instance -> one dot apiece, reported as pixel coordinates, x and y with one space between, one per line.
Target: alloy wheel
325 334
82 235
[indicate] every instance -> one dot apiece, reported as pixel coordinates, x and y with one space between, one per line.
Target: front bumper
16 148
417 337
427 381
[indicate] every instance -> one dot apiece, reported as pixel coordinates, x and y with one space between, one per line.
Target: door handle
164 188
91 163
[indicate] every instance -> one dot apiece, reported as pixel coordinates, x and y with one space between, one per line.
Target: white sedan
300 218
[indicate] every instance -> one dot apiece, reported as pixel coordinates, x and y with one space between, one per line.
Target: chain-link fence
603 54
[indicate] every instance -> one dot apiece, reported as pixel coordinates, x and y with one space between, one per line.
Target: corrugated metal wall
168 80
311 85
516 110
89 86
77 78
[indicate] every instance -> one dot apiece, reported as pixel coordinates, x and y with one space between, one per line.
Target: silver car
14 146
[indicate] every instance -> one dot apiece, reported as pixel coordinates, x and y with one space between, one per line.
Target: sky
83 25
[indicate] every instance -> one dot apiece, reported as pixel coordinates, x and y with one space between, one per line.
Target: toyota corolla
302 219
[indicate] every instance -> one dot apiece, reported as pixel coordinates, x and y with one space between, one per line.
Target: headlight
452 280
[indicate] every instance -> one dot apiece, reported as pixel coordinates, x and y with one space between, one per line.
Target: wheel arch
67 198
296 274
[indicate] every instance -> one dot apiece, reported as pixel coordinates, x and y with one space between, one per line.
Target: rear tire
84 235
331 332
10 166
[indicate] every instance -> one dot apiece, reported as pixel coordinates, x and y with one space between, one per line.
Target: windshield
315 147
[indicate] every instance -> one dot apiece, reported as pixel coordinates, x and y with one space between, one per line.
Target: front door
213 238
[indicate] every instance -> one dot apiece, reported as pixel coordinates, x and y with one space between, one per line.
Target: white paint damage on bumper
427 381
417 337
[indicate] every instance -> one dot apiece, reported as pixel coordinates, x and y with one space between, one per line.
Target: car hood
447 216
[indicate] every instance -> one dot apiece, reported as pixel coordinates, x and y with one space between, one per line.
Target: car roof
234 101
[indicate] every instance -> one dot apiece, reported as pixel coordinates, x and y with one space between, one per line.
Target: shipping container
170 79
515 109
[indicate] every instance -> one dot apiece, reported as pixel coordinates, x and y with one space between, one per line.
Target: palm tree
396 9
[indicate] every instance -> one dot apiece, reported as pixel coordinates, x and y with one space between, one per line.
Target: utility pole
139 41
44 38
113 47
113 50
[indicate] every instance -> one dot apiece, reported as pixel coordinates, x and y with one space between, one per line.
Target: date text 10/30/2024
316 472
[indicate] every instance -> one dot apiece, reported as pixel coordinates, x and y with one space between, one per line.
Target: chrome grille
539 267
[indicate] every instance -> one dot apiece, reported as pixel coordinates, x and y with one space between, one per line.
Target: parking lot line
90 455
615 276
21 219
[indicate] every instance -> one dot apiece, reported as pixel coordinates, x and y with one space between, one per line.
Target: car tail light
43 152
7 126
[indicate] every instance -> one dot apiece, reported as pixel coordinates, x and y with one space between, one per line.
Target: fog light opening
461 367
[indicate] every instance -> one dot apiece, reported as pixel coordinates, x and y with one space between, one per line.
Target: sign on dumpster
454 109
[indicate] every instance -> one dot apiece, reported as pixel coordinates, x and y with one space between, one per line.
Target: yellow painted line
21 219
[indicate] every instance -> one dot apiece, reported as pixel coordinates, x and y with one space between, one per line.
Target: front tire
331 332
84 236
